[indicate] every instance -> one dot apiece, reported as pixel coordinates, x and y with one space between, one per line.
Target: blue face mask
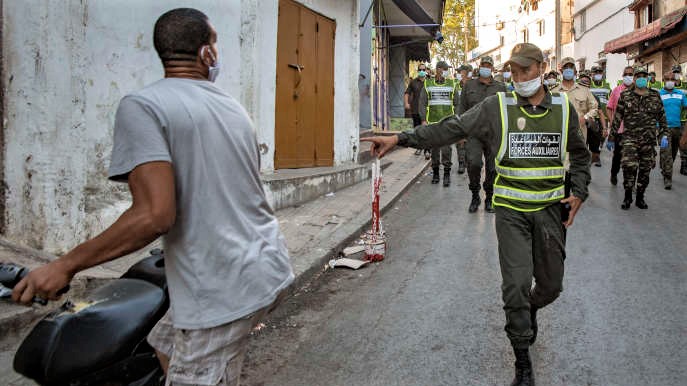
484 72
641 82
568 74
421 74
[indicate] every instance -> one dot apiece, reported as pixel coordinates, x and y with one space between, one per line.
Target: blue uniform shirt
673 102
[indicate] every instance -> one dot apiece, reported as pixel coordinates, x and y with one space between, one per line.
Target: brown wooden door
304 117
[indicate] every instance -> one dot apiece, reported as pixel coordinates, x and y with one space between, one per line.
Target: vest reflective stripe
440 102
528 195
527 174
600 91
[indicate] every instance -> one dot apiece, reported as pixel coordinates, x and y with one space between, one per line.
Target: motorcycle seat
82 339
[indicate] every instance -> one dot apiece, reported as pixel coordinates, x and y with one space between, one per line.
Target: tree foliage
459 32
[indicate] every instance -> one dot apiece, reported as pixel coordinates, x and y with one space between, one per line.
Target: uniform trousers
531 244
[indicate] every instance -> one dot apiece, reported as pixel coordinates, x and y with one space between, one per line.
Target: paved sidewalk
315 232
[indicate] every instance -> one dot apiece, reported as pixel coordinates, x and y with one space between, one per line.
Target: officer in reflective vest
530 131
602 91
654 83
437 101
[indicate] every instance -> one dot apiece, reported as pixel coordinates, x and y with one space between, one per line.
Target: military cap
442 64
677 68
597 69
525 54
552 72
584 73
638 69
487 59
567 60
465 67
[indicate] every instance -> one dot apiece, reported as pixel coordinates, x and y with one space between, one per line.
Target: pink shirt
613 103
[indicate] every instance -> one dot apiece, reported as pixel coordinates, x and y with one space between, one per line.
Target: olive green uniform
437 101
530 232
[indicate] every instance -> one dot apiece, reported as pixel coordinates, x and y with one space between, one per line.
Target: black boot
614 179
474 204
447 177
435 175
524 376
641 204
533 323
461 167
628 200
488 205
683 167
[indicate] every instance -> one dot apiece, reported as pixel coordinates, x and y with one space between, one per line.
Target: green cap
442 64
567 60
638 68
597 69
487 59
524 54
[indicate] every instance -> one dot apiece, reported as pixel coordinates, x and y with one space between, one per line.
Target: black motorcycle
100 341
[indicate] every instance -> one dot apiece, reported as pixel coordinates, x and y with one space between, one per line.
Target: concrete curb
348 233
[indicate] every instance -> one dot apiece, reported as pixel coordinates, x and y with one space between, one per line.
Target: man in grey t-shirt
190 156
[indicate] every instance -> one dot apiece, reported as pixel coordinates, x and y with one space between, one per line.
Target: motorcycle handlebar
12 274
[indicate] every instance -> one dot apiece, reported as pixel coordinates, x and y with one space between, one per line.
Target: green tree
459 32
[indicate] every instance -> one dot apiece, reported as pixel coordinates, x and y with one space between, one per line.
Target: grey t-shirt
225 256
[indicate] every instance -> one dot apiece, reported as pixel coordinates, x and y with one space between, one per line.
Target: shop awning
649 31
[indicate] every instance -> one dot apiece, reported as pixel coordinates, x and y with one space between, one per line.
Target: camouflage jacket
642 115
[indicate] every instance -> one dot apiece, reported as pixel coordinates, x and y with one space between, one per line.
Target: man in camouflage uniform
641 110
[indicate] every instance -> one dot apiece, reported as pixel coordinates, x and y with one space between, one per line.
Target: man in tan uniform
581 97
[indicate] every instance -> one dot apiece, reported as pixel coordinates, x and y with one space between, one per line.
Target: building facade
659 36
595 22
294 65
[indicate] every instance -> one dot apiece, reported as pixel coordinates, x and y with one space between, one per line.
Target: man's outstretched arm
152 214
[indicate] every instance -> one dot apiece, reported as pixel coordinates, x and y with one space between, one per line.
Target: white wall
67 63
605 20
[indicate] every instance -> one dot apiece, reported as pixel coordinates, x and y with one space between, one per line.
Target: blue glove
664 142
610 145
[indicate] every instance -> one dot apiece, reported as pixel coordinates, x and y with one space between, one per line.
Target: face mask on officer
529 87
568 74
459 76
422 73
627 80
670 84
642 82
506 75
677 77
598 77
484 72
445 73
213 69
470 75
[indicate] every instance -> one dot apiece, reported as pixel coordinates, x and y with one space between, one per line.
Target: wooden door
304 116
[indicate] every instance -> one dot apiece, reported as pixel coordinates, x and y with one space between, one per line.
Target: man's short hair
179 34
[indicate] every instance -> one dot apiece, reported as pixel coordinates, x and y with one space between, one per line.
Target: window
540 27
581 23
644 16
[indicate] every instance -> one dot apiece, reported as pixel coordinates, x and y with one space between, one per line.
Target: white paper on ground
348 263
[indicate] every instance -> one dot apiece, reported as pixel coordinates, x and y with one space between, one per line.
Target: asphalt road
431 314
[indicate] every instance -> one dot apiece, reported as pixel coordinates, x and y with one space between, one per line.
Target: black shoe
667 183
683 168
474 204
640 203
435 175
447 177
488 205
524 376
418 151
461 167
614 179
533 323
428 155
628 200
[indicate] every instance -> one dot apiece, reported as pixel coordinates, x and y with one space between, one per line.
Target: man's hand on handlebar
47 282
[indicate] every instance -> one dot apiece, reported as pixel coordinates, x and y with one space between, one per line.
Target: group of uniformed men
540 137
631 123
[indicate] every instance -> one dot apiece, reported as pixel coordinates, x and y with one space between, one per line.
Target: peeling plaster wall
67 63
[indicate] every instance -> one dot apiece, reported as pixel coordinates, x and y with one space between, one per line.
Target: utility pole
558 35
